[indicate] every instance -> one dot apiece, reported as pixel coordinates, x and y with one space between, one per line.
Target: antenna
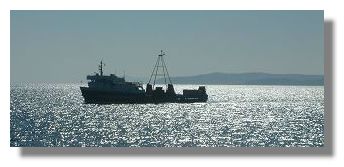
160 69
100 67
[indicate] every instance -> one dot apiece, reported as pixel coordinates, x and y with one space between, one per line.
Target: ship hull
96 96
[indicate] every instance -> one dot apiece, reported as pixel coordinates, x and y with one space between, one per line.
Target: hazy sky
65 46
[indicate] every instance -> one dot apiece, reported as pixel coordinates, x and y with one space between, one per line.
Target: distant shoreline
251 79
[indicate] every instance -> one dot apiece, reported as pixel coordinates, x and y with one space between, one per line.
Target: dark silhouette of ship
111 89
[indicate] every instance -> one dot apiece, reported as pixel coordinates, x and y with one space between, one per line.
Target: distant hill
249 79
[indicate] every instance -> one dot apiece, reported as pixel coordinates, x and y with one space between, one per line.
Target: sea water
54 115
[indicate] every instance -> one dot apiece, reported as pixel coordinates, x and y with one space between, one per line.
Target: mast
160 69
100 67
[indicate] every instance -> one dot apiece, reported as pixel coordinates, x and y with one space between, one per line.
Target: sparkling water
50 115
